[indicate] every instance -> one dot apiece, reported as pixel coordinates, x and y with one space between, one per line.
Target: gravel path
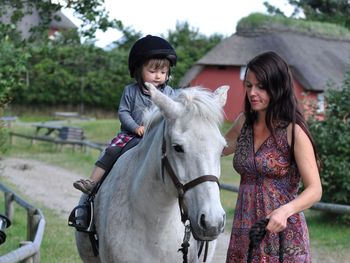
52 186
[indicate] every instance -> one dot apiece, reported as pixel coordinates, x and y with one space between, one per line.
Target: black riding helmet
150 47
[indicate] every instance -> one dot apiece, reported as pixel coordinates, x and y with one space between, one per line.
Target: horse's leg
85 249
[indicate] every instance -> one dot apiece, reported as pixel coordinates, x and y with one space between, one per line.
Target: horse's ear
168 106
221 94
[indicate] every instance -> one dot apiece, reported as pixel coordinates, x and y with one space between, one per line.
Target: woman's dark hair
275 76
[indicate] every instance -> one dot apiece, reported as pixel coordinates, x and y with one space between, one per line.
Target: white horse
137 213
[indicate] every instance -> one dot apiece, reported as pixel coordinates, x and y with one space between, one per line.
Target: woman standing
274 151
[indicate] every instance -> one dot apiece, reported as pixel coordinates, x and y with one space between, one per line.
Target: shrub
332 138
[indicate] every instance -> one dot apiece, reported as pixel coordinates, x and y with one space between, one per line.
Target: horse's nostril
202 222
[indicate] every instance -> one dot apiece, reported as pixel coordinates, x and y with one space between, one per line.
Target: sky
156 17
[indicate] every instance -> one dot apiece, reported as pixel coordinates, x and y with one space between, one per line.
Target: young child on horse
150 60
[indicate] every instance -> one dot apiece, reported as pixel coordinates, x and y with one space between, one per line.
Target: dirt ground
52 186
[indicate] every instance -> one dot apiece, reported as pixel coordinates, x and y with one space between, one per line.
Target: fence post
36 257
11 139
35 230
9 209
33 221
27 260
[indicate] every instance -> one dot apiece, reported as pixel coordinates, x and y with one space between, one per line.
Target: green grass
258 20
82 162
58 244
59 240
328 230
14 234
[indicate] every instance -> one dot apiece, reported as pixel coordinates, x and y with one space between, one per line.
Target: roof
315 60
64 23
33 19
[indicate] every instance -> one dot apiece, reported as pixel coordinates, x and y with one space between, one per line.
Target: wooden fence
57 141
326 207
29 250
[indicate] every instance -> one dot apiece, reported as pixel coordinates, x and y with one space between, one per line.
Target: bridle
181 190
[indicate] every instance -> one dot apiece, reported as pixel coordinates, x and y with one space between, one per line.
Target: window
320 103
242 72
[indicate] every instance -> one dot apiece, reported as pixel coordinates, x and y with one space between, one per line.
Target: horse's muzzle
207 230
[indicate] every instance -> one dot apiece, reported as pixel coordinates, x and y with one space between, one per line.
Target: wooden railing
57 141
29 250
325 207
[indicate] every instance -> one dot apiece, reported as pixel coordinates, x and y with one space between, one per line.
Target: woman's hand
278 219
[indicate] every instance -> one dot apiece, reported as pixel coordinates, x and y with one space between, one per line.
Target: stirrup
82 217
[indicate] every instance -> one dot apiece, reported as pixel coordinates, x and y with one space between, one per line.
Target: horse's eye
178 148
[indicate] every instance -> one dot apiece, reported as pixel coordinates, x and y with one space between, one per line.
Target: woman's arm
232 135
307 166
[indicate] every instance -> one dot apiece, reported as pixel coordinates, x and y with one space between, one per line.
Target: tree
12 69
331 11
91 12
332 140
93 16
63 71
190 45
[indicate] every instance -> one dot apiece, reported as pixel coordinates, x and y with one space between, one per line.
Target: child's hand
140 131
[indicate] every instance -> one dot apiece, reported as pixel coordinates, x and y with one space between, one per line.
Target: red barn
315 60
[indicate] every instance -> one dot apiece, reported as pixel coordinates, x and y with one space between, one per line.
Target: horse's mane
199 103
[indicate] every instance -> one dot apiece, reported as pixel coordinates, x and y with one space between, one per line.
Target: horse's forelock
200 102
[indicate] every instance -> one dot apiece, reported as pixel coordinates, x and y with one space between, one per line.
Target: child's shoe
84 185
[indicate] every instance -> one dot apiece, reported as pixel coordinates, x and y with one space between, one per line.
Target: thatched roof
314 59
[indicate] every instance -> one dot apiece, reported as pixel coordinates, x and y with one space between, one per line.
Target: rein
256 235
182 189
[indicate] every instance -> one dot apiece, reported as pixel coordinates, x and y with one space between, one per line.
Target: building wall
308 101
212 77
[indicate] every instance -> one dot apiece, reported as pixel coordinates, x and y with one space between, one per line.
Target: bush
73 75
12 69
332 138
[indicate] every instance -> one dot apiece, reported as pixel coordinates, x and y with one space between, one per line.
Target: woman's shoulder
299 132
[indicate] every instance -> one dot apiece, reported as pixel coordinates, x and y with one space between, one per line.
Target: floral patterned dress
267 182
